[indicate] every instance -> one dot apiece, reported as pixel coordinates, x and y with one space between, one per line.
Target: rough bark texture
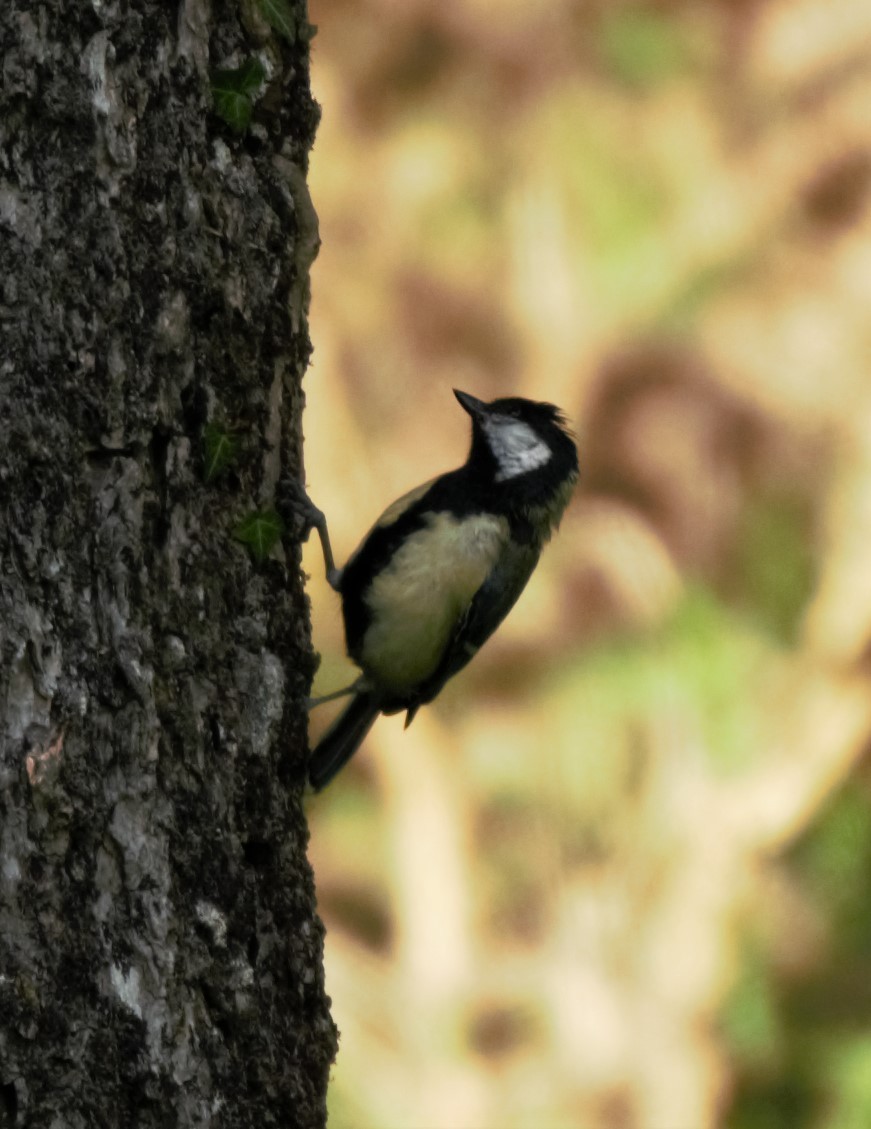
160 955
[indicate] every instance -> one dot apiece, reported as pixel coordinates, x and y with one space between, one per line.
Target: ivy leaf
221 449
233 90
260 530
251 75
233 107
279 15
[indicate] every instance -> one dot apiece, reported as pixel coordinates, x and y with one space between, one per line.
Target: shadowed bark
160 955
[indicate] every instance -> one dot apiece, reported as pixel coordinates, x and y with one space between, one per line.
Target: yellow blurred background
619 875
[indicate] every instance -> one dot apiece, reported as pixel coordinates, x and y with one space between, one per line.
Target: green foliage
849 1069
610 199
616 200
259 530
642 47
233 92
279 15
776 569
835 861
784 1106
220 450
750 1021
812 1035
698 290
704 665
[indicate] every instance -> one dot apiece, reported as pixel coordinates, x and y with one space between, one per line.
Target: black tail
342 739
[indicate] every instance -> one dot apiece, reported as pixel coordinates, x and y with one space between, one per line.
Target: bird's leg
313 518
312 702
317 519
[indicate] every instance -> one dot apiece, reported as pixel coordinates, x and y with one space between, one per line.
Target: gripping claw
313 518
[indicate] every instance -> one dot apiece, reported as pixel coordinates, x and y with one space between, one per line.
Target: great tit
443 566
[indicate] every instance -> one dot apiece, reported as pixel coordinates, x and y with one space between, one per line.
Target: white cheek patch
515 446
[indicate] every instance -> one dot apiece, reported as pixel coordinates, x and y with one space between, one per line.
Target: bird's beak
470 404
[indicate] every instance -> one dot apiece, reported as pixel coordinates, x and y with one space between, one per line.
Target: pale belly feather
418 599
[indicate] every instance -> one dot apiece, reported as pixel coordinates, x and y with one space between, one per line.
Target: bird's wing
489 606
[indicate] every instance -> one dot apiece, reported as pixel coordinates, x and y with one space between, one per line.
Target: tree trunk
160 955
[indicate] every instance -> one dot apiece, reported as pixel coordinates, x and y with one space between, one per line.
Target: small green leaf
221 449
259 531
251 75
233 107
232 91
279 15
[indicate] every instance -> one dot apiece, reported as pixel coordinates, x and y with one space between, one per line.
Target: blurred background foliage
618 876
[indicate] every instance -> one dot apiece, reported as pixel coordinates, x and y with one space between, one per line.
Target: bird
443 565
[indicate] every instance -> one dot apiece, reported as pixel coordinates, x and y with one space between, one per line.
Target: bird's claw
297 503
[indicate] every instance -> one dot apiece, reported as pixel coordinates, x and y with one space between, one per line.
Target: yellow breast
417 600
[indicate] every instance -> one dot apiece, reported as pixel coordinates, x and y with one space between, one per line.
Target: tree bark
160 954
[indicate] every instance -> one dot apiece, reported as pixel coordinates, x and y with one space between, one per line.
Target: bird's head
520 437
